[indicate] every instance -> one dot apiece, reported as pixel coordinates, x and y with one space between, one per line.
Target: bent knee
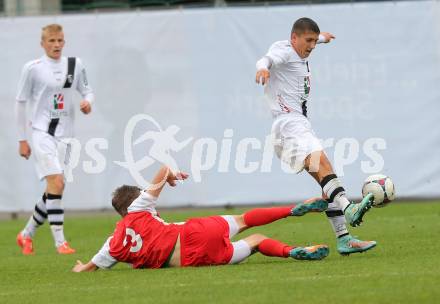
239 219
255 239
56 183
59 183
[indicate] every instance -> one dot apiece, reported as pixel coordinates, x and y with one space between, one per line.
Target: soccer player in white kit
285 70
47 85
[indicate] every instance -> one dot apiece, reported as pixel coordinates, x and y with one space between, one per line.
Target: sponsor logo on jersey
282 105
306 85
58 101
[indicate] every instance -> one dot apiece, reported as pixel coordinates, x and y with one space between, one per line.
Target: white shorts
294 139
51 154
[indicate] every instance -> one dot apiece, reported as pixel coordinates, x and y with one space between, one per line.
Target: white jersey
42 85
288 88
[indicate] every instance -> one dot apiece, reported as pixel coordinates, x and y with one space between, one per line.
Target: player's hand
327 37
85 107
181 175
172 177
262 76
24 149
79 266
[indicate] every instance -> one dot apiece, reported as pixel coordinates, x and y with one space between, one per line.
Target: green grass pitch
403 268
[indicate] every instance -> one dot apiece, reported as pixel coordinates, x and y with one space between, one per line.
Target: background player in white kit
47 84
285 71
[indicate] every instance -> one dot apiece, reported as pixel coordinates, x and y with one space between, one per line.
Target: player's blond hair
50 28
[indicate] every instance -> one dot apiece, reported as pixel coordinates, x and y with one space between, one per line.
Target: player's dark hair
303 25
123 196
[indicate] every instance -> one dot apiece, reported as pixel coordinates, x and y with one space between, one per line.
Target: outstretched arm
80 267
277 54
102 259
164 175
325 37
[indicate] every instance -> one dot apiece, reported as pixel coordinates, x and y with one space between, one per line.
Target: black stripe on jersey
71 62
307 63
304 108
53 126
342 235
44 198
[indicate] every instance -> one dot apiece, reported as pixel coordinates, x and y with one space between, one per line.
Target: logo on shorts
58 101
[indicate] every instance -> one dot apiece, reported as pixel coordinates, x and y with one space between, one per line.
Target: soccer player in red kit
145 240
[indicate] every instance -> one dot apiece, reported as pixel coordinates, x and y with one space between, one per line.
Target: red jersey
143 240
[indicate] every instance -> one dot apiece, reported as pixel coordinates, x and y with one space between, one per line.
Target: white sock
337 219
342 201
37 218
332 187
241 252
55 216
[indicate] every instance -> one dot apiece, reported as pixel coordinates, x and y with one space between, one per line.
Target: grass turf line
403 268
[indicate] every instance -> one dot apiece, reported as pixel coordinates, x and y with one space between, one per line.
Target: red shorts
205 241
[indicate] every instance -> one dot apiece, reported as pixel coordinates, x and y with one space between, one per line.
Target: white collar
51 60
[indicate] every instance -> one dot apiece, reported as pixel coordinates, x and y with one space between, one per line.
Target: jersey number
136 240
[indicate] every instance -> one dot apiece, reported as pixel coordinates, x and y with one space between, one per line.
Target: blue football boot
348 244
316 252
317 205
354 212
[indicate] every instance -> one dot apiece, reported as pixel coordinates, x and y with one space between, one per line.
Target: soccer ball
382 188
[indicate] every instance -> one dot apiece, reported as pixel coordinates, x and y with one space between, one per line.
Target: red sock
263 216
274 248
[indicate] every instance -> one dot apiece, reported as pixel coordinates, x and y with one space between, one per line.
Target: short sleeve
24 90
144 202
103 259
